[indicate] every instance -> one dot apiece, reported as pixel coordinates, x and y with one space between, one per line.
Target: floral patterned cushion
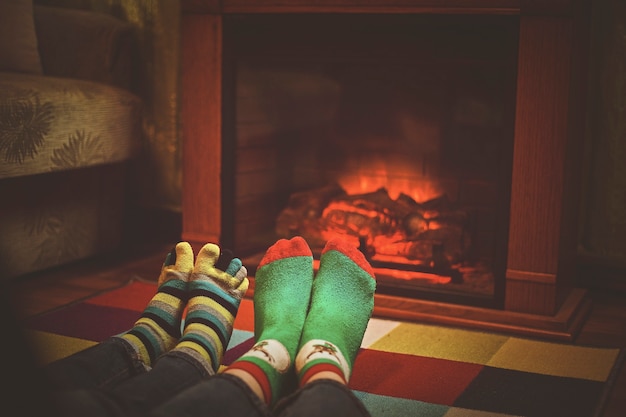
51 124
61 217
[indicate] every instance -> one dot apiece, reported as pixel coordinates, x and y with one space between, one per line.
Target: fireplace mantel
540 296
535 7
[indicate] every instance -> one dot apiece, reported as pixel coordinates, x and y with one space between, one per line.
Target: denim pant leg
173 372
101 366
221 395
322 398
135 396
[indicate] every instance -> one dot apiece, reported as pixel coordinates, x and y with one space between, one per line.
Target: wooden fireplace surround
540 296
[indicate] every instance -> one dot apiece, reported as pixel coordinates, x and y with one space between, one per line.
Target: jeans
108 380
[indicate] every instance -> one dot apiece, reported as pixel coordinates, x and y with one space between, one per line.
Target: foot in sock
214 298
342 302
281 299
158 328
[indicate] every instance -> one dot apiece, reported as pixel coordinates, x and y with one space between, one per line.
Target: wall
603 234
603 219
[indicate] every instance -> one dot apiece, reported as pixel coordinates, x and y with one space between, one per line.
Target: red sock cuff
321 367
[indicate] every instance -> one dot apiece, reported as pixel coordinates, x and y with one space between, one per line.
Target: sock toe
284 248
233 267
184 257
178 264
348 249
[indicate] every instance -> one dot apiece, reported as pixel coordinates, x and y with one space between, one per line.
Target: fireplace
396 133
441 141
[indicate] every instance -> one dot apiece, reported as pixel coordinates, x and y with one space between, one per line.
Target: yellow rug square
441 342
376 329
558 359
50 347
464 412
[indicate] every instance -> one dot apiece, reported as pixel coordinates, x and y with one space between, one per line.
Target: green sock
281 299
158 327
214 298
342 302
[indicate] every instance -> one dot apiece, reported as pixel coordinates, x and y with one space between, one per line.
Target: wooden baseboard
563 326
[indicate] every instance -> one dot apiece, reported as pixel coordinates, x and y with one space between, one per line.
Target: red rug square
85 321
132 297
431 380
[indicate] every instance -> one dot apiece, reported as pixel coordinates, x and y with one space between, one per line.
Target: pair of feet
210 289
312 325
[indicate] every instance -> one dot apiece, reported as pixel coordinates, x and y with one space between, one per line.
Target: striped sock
214 298
281 299
158 328
342 302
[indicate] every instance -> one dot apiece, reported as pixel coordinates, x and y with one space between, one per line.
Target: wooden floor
37 293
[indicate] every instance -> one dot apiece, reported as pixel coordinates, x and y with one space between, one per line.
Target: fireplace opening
395 131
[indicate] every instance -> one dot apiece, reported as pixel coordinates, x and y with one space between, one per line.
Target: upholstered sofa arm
85 45
59 124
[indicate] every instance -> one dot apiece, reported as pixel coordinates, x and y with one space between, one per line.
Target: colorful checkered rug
403 369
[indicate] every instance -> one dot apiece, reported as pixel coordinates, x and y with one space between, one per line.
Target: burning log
304 211
432 234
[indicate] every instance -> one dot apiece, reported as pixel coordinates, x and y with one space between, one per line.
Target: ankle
326 375
250 381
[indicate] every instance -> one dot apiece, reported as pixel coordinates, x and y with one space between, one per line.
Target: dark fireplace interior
395 131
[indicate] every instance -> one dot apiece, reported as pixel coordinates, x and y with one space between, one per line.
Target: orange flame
420 190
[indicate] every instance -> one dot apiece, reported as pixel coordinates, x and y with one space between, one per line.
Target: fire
419 190
406 225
